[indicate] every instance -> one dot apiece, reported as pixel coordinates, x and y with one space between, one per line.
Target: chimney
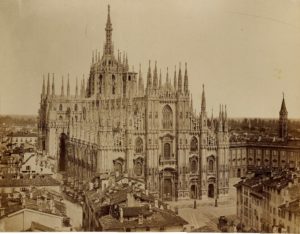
121 215
141 219
286 204
38 201
96 184
150 207
130 199
176 210
23 201
52 206
156 203
91 186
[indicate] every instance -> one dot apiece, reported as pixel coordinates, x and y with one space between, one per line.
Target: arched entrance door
167 182
193 194
62 152
211 190
167 190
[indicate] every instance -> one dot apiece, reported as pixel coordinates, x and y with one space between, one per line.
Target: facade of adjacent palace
115 124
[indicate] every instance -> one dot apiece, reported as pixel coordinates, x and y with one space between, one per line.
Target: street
206 214
74 211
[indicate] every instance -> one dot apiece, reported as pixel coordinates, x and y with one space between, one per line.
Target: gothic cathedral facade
113 124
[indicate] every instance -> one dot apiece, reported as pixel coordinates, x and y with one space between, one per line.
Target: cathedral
115 124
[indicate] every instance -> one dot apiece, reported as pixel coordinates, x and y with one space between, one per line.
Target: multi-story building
265 152
125 205
16 139
36 162
270 202
114 124
34 210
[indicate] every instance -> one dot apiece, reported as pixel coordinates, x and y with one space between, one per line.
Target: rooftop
43 201
26 181
277 180
159 219
22 134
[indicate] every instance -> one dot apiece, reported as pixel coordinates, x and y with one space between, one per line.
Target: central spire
108 49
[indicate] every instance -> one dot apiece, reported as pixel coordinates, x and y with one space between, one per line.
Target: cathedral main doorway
211 190
167 190
62 152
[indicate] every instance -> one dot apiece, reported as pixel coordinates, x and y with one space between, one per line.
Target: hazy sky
245 52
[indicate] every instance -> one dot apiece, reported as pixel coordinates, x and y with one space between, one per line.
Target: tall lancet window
139 145
100 83
124 84
167 151
194 144
113 84
167 121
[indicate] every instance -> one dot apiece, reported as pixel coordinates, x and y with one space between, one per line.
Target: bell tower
283 120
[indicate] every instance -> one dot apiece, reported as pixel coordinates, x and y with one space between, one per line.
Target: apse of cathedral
115 124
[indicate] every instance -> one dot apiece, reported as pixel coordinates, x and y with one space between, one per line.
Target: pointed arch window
211 165
167 120
194 166
84 113
113 84
100 83
60 107
194 144
139 145
138 169
167 151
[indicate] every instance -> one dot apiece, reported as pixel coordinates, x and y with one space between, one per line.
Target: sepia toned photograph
150 116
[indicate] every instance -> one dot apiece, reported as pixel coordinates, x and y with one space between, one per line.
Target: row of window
267 152
25 140
139 146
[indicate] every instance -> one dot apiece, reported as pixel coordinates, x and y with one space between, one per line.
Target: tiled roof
159 218
22 134
31 203
38 180
118 197
278 180
135 211
108 222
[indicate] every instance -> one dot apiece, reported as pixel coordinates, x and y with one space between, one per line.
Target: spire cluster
155 83
46 89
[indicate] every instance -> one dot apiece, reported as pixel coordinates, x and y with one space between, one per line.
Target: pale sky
246 52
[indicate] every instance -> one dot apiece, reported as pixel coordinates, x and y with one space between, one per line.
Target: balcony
167 162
